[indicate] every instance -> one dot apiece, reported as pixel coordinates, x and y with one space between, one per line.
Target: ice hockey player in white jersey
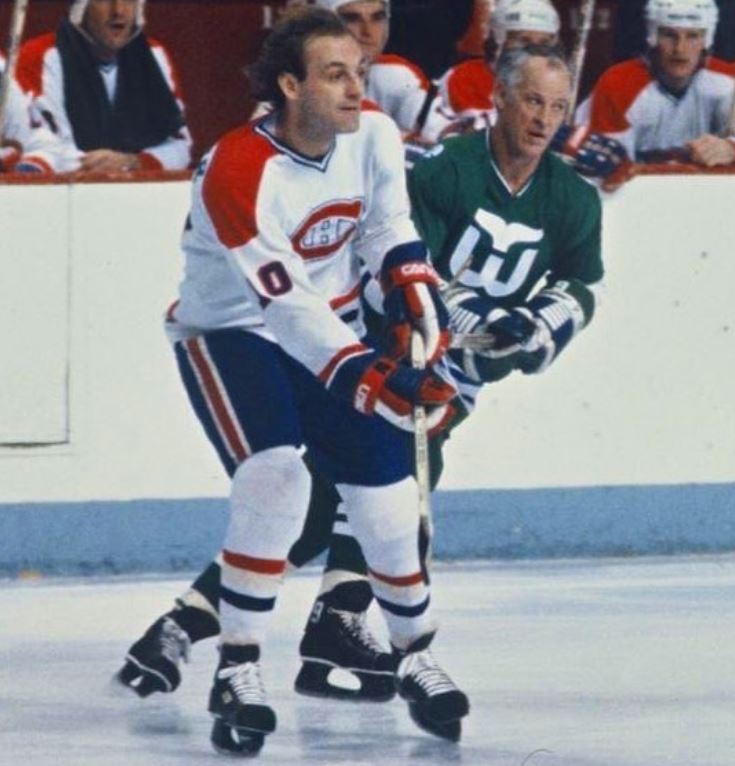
27 146
268 333
676 101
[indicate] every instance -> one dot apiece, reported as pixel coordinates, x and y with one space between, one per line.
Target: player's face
368 21
110 23
530 113
520 38
328 100
679 54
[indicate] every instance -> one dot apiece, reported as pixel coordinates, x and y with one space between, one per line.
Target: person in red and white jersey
676 101
398 86
101 84
467 88
27 146
268 336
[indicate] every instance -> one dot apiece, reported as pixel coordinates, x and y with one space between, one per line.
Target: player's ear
288 83
499 95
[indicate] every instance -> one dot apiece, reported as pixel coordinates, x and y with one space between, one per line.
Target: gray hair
509 66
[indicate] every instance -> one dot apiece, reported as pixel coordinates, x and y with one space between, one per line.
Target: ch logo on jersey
503 236
326 229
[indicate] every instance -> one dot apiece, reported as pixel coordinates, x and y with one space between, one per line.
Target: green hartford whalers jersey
464 209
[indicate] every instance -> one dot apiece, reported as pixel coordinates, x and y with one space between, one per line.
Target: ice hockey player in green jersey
513 229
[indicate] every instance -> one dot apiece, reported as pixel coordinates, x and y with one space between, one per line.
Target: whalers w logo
503 236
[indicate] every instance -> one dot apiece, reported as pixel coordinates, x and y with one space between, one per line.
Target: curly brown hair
283 49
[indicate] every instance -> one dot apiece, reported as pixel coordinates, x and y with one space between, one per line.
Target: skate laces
355 623
175 641
245 681
423 669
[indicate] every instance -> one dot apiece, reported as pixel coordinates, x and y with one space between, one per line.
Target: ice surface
573 663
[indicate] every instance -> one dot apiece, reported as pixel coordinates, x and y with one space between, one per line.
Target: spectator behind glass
100 82
630 34
674 102
27 146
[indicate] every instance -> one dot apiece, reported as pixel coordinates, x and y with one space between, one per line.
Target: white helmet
525 16
76 12
332 5
685 14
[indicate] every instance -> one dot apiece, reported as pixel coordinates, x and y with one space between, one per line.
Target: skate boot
434 702
237 702
152 662
336 637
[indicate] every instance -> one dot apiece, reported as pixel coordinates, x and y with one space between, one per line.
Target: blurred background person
101 83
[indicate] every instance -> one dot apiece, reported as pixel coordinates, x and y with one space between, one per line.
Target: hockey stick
17 22
421 447
586 13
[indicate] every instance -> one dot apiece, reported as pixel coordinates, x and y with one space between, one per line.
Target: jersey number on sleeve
274 279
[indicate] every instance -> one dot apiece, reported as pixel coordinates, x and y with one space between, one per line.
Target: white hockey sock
385 521
268 504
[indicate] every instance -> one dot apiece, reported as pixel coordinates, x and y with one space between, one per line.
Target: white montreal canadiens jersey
275 241
629 104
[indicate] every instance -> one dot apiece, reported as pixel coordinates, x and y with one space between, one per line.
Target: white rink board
643 397
34 314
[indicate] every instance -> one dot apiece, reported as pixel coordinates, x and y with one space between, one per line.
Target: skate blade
449 730
327 682
229 741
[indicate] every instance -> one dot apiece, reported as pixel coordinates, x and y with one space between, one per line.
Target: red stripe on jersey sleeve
366 105
615 92
343 300
29 71
356 348
721 66
231 184
470 86
394 60
178 93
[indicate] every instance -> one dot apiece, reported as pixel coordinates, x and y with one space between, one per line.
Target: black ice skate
152 662
237 702
336 637
434 702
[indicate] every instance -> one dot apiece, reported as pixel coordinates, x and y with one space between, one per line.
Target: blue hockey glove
559 313
593 154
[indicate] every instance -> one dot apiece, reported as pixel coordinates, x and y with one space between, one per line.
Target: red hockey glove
378 385
412 301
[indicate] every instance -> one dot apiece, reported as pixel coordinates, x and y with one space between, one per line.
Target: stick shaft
586 14
15 33
421 439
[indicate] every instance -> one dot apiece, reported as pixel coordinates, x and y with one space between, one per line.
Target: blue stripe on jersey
403 611
249 603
